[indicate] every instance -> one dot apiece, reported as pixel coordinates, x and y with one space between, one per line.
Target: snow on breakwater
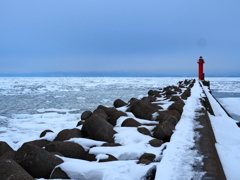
180 157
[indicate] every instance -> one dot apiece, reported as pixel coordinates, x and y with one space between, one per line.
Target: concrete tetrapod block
144 131
39 143
143 109
99 129
67 149
163 131
10 170
119 103
154 93
67 134
130 122
178 106
38 162
45 132
85 115
4 147
113 117
146 158
164 116
8 155
58 173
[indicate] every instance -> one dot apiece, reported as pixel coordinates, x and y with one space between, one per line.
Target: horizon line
108 74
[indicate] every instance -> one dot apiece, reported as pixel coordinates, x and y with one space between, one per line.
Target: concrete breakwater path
177 132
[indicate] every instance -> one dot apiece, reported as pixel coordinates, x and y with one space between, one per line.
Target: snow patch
227 135
179 155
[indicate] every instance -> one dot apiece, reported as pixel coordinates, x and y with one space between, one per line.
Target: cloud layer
121 36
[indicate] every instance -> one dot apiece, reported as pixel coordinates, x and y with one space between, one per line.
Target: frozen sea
30 105
227 92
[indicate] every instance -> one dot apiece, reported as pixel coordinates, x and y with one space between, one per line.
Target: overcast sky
137 36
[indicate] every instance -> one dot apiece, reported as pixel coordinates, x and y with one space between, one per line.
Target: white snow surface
232 105
86 143
176 157
115 170
227 135
25 127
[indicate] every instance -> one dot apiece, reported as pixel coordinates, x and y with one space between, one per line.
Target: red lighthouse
200 68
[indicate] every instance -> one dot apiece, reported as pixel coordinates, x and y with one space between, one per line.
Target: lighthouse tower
200 68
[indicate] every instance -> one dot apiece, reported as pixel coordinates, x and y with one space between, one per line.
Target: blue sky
129 36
